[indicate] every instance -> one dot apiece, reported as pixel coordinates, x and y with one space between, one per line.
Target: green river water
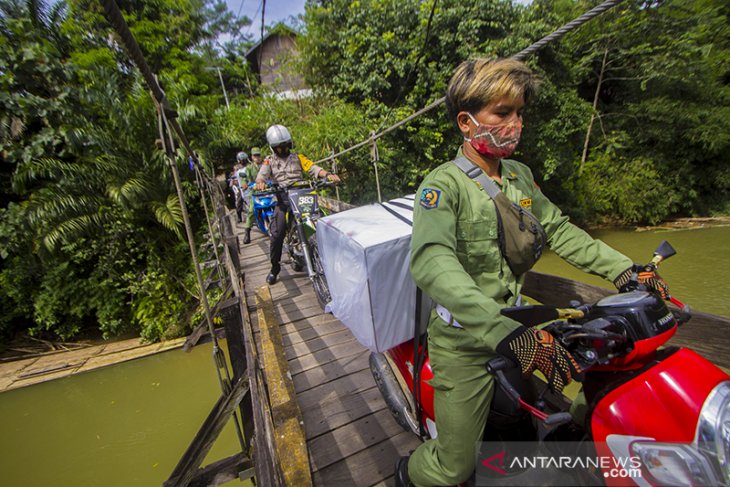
129 424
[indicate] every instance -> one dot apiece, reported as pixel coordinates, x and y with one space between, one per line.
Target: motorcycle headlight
713 429
673 464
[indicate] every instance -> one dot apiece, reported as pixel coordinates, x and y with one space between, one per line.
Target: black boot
271 278
247 236
401 473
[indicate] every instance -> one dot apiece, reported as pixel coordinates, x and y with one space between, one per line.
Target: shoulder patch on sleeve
305 162
430 198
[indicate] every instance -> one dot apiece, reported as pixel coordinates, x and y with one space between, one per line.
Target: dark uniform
455 259
284 172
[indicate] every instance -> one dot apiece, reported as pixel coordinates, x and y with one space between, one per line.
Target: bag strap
474 172
398 215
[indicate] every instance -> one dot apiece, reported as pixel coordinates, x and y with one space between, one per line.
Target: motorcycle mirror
665 250
536 314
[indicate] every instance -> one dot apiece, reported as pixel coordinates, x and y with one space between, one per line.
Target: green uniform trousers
249 211
463 391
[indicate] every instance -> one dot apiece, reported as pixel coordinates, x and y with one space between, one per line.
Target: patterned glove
649 278
537 349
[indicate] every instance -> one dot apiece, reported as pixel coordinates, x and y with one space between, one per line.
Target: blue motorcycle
264 203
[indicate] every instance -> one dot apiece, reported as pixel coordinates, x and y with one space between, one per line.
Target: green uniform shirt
455 256
247 174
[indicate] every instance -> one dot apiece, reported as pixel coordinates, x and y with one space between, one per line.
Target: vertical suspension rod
218 355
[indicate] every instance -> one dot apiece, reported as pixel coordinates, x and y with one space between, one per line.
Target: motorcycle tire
294 248
321 289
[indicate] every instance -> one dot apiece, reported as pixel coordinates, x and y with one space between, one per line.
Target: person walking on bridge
284 168
461 259
247 176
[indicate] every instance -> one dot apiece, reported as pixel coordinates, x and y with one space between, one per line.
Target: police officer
284 167
456 260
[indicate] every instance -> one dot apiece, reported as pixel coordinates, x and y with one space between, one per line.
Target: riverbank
41 368
688 223
684 223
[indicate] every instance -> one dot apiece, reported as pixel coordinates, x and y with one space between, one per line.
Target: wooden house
273 59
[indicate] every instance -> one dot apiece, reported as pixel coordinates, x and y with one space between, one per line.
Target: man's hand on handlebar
329 177
535 349
644 275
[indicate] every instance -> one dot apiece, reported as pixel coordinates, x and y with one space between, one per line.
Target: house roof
278 29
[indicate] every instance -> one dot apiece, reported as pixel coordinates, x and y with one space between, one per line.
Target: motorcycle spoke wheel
321 289
294 248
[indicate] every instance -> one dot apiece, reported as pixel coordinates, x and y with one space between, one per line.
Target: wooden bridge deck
351 436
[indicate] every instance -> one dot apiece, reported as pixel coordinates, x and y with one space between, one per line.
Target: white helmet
277 135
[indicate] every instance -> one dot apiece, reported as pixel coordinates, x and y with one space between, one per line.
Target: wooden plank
188 465
347 385
289 440
307 328
222 471
352 438
321 357
304 304
369 466
331 371
308 332
266 472
334 205
559 291
334 412
199 330
232 323
324 342
325 322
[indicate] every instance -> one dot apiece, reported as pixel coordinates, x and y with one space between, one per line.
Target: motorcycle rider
256 157
284 167
459 259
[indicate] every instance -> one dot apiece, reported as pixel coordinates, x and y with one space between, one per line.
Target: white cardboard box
365 253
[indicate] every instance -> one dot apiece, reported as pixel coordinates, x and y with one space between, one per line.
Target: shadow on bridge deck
351 436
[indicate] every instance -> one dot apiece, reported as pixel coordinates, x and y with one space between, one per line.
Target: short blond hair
478 82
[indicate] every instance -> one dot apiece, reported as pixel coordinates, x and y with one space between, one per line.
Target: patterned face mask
495 141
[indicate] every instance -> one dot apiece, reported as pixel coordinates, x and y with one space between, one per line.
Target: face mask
495 141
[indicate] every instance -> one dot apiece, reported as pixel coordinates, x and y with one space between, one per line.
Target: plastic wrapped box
365 253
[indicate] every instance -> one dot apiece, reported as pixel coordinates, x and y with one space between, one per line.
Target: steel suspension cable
594 12
115 18
167 120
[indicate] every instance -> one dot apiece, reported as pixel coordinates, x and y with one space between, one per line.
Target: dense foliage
632 125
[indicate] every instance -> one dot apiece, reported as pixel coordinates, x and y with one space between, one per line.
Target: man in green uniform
247 175
456 260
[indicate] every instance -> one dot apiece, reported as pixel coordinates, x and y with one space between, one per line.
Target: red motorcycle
654 415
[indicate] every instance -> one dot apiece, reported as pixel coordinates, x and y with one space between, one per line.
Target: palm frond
169 214
70 229
132 191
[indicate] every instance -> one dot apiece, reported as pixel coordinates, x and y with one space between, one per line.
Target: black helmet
242 157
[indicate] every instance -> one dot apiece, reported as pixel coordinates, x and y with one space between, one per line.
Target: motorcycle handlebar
497 366
317 184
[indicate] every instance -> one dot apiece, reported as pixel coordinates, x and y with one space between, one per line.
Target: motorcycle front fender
661 402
